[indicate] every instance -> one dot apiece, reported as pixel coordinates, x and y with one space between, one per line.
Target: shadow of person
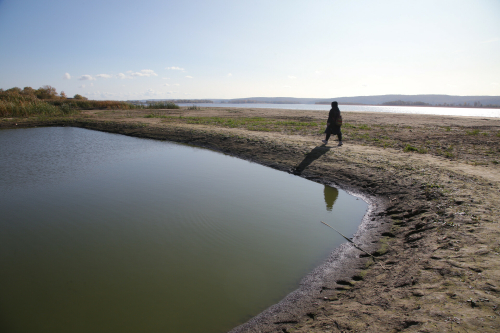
312 156
331 194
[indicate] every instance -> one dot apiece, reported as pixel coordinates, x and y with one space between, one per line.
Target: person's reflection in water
331 194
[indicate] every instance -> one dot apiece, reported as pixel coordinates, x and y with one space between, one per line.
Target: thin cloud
144 72
86 78
67 76
166 85
490 40
189 77
100 94
103 76
123 76
230 74
106 94
174 68
292 77
150 92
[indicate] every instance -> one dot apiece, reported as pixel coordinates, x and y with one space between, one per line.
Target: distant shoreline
340 103
431 100
418 106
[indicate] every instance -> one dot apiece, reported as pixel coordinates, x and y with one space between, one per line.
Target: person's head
335 104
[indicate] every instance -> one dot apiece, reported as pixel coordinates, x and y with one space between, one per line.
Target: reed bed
162 105
18 105
31 108
93 105
17 102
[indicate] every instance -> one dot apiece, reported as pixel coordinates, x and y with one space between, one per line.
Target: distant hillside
271 100
436 100
429 99
374 100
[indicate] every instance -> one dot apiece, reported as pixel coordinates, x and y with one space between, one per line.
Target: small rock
418 293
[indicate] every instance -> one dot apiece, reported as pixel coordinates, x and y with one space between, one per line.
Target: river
445 111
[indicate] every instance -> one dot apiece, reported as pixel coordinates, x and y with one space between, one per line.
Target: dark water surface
107 233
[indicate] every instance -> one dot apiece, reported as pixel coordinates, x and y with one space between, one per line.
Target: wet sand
433 183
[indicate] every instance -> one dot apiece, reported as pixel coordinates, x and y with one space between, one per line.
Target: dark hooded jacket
334 114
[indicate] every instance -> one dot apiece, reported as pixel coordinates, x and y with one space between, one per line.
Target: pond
108 233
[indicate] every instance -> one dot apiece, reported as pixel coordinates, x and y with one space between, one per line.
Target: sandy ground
433 183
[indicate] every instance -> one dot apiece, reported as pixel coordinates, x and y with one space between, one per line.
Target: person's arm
330 118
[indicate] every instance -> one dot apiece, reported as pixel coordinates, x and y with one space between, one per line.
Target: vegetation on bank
17 102
162 105
419 140
249 123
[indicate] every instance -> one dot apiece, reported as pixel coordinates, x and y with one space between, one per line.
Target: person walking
333 124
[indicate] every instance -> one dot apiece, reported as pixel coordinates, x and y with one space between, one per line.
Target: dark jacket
334 114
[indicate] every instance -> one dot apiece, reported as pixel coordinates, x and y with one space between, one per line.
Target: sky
194 49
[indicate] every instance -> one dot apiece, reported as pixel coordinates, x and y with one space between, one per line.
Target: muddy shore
433 183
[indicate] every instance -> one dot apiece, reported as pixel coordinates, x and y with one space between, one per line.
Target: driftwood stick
354 244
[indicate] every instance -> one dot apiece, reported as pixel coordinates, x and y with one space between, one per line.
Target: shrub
15 102
163 105
473 132
46 92
84 104
409 148
26 109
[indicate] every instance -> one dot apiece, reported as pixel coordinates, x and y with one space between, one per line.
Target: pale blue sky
230 49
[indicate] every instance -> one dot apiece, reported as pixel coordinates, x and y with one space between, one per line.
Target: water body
107 233
473 112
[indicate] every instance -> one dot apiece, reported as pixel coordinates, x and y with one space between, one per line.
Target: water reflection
331 194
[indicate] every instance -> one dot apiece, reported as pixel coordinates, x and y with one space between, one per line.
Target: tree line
42 93
17 102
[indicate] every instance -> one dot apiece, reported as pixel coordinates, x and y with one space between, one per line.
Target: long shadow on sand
312 156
